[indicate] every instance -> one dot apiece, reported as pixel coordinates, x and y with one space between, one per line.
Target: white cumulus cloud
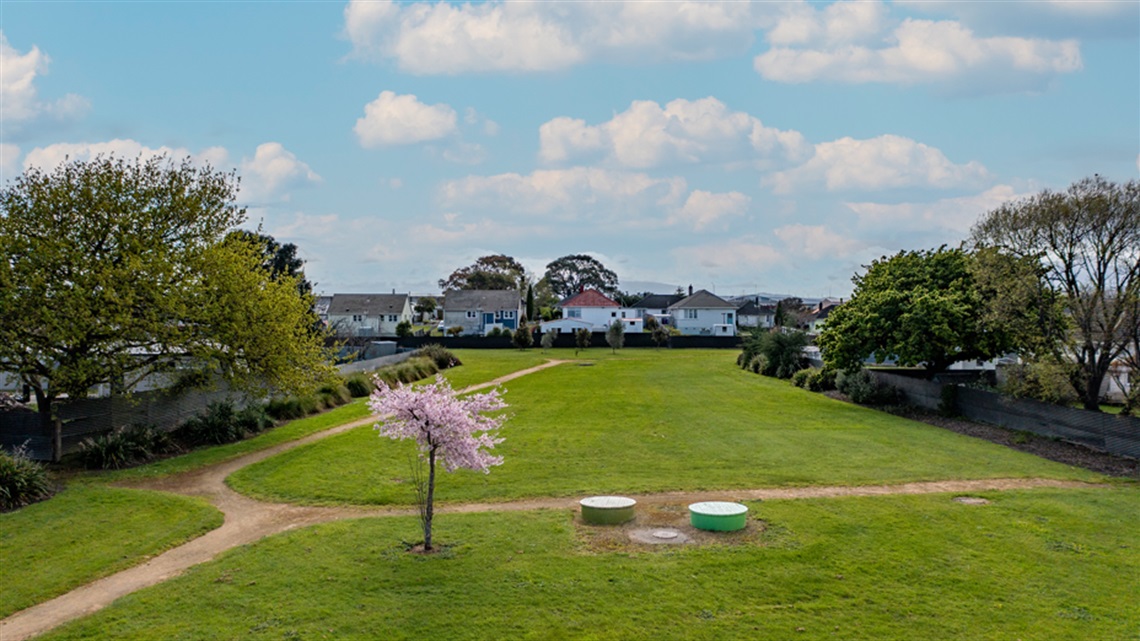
703 209
956 215
734 257
683 131
807 47
53 155
585 192
816 241
884 162
394 119
445 38
18 92
272 170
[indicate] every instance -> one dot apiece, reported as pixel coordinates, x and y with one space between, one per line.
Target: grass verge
1035 565
88 532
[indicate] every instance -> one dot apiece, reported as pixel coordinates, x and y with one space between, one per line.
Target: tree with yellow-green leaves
113 270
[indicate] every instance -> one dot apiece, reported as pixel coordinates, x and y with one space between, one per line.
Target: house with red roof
593 310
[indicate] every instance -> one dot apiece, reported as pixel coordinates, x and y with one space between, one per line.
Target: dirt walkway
248 520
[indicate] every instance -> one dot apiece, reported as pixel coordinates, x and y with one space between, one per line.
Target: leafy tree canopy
917 307
571 274
1087 242
117 269
496 271
276 259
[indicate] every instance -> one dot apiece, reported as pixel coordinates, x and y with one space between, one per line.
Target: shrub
800 378
495 332
548 338
523 337
253 419
285 409
455 330
1046 381
758 364
783 351
22 480
123 448
440 355
821 380
403 329
215 426
358 385
863 388
333 395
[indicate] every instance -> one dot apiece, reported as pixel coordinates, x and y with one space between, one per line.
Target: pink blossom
452 427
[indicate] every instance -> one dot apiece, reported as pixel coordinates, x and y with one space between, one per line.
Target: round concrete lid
718 508
608 502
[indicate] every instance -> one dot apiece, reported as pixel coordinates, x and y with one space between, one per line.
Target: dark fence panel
373 363
88 417
1107 432
597 339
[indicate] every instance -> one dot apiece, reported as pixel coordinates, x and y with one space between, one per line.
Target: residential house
657 306
704 313
368 314
478 311
321 307
597 312
815 321
752 315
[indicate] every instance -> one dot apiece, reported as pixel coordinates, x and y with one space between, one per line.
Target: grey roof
703 299
367 304
657 301
486 299
752 309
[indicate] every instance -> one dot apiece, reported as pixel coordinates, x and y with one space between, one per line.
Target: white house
478 311
753 315
599 311
368 314
705 314
657 306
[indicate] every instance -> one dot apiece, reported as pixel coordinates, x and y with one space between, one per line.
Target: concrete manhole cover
971 500
658 536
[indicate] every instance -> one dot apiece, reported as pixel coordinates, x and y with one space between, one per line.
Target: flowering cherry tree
445 426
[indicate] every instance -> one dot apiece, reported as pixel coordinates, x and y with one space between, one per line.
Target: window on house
613 314
690 314
509 314
472 314
392 318
573 313
358 318
499 315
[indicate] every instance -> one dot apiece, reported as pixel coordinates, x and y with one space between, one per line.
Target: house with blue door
703 313
479 311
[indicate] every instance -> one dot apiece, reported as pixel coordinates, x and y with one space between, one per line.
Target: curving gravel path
248 520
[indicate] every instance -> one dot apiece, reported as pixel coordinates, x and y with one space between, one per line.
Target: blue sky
737 147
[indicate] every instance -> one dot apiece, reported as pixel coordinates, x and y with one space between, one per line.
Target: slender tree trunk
49 423
430 497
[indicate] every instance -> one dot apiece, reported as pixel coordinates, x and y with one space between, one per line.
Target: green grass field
1041 565
88 532
649 421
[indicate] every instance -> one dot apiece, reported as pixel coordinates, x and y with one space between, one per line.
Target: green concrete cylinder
607 510
718 516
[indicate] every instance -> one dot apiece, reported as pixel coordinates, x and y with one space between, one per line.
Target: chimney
393 291
690 290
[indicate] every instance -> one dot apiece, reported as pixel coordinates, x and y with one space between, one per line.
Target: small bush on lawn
217 425
438 354
285 409
22 480
863 388
800 378
359 385
783 352
758 364
1046 381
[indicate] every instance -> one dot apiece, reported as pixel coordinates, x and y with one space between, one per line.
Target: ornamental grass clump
446 427
22 480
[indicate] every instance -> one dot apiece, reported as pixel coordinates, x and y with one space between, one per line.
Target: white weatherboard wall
706 321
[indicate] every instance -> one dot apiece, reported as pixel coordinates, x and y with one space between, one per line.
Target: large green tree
113 270
496 271
1087 242
571 274
917 307
278 260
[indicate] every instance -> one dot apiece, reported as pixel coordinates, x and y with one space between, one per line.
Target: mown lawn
88 532
647 421
91 530
1036 565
